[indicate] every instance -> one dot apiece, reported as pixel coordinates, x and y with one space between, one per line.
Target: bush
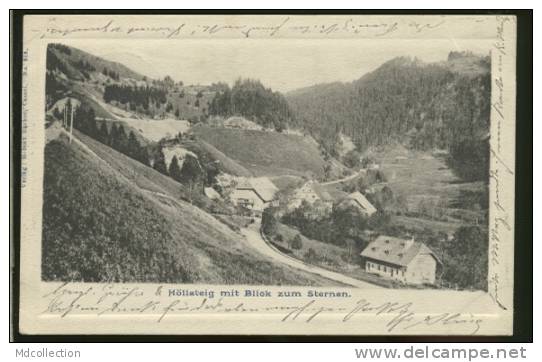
297 243
352 159
311 255
269 222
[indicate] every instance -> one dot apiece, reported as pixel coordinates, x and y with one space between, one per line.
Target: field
101 224
265 153
225 164
156 129
419 174
150 129
430 189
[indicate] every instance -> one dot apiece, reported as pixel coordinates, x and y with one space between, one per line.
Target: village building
311 192
404 260
360 202
254 194
211 193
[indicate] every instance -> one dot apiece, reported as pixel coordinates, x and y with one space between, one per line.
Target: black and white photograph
277 175
313 164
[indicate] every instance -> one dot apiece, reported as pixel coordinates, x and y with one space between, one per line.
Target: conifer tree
191 172
160 163
174 169
103 134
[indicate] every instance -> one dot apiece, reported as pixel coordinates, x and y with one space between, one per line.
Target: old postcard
268 174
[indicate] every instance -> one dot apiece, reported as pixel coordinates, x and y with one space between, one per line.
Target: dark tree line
114 136
84 65
192 174
425 105
250 99
53 62
136 96
61 48
56 63
110 73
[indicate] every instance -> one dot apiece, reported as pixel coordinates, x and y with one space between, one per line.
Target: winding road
253 237
255 240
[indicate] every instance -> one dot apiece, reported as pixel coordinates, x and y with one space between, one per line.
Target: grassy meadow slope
226 164
99 225
433 194
265 153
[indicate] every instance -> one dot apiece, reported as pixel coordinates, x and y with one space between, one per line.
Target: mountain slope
127 93
77 64
99 225
424 106
267 153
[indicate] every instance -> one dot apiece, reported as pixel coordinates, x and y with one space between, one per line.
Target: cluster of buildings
403 260
258 193
323 199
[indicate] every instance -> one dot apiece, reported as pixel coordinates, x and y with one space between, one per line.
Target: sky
282 64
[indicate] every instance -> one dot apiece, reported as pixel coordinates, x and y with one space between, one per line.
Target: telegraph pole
65 115
71 123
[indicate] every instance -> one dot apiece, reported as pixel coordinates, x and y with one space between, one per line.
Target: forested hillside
250 99
424 106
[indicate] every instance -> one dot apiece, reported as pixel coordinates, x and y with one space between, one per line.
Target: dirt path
348 178
255 240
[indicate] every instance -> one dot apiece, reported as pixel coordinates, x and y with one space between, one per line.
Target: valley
241 184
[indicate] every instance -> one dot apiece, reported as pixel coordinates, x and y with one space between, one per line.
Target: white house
211 193
403 260
356 199
254 193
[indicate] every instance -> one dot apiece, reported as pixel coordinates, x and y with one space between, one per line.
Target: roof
362 201
262 186
321 192
396 250
211 193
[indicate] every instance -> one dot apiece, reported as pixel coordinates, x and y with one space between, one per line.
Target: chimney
408 242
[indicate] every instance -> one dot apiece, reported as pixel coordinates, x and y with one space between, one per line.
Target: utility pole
64 115
71 124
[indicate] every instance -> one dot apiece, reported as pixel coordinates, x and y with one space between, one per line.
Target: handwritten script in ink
275 27
500 171
110 299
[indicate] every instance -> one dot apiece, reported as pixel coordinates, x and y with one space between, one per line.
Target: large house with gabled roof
400 259
360 202
254 194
